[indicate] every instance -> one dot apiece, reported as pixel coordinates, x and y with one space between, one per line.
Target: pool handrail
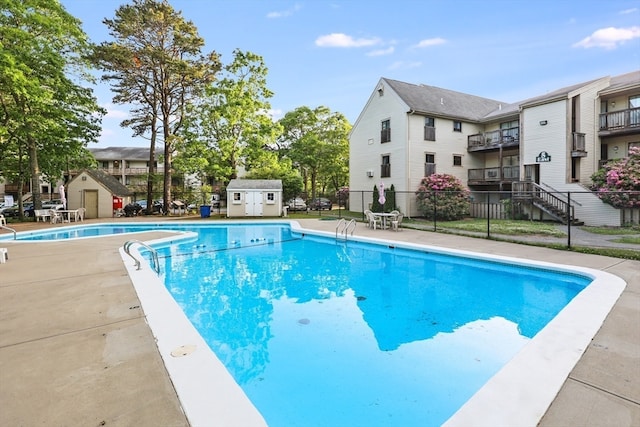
154 254
10 229
344 230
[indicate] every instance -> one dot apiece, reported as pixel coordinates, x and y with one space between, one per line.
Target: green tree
46 116
273 168
317 143
155 64
230 126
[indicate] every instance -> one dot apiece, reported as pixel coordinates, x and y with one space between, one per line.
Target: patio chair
81 212
373 221
55 216
396 221
3 220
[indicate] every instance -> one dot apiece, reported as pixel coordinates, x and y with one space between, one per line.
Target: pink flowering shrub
618 182
442 196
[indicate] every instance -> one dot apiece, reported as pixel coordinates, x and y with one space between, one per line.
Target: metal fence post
569 219
488 215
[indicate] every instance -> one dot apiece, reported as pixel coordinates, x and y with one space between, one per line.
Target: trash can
205 211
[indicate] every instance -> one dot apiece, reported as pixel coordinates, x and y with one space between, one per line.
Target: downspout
407 168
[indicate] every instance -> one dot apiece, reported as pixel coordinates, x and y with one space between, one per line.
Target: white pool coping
518 395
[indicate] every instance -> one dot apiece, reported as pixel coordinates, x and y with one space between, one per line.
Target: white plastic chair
55 216
396 221
3 220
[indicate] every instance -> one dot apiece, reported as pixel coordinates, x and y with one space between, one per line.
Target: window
429 129
457 160
457 126
385 132
429 164
385 168
237 198
510 130
105 165
634 101
271 198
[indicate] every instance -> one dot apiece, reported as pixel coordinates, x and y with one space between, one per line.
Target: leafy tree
155 64
282 170
618 183
317 143
443 197
229 127
46 116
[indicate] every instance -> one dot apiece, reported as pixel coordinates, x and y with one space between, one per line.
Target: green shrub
442 197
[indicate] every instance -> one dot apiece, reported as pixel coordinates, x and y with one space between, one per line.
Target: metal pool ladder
343 227
154 254
10 229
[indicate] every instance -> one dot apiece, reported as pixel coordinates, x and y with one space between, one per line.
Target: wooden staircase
546 201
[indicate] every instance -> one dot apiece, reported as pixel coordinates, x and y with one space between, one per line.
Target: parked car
53 204
320 203
156 206
13 211
297 204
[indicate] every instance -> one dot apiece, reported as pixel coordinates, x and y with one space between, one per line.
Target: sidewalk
75 348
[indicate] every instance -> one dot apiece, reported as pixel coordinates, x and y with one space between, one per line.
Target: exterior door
91 203
532 173
253 203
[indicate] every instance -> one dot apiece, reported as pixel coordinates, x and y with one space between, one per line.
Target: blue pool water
326 333
320 333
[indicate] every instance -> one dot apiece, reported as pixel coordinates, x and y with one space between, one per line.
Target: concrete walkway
75 348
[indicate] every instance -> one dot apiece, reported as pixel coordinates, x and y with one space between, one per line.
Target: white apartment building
546 145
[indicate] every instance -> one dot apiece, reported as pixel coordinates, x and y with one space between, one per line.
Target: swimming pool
180 348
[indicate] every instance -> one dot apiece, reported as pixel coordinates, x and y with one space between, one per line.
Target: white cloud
382 52
430 42
284 13
609 38
343 40
404 65
114 113
629 11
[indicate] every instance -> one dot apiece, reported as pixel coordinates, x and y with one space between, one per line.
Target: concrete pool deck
75 348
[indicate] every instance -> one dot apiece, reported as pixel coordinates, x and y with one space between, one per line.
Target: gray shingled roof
254 184
436 101
123 153
111 183
622 81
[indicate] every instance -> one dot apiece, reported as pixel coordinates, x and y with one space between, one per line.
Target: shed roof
109 182
254 184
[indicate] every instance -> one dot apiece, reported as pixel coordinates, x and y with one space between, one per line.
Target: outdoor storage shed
99 193
254 197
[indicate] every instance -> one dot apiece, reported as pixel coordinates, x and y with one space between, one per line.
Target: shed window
271 198
237 197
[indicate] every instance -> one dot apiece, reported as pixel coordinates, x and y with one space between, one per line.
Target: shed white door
253 203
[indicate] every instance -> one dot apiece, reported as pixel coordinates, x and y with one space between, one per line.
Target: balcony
486 176
494 140
578 145
621 122
385 135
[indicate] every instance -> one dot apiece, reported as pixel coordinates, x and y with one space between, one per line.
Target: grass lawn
503 226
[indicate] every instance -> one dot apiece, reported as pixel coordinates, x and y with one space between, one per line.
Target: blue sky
333 52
